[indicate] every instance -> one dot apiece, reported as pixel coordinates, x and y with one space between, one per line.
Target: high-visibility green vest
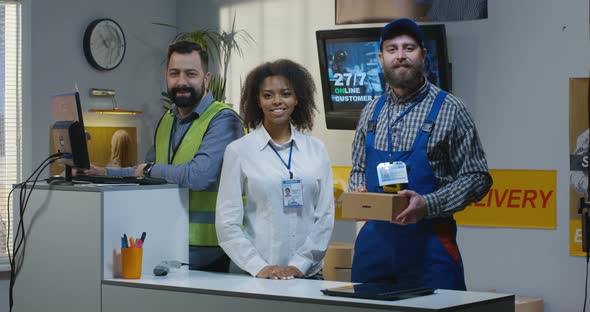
201 204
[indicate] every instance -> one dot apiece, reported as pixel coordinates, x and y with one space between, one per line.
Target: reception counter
72 262
74 239
184 290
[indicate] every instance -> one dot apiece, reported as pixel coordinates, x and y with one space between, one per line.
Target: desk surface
298 290
91 187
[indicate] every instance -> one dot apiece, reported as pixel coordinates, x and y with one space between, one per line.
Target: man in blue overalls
429 134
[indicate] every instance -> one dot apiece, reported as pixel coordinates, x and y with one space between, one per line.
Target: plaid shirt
454 150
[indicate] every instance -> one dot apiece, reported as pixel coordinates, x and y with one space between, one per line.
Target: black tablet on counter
378 291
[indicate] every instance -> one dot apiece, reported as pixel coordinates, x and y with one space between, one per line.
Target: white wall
53 61
512 70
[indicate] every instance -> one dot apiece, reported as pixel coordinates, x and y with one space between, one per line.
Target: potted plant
220 46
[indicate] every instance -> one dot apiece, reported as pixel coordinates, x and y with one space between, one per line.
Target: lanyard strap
171 140
288 165
390 126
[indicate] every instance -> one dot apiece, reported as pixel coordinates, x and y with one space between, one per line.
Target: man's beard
186 101
410 79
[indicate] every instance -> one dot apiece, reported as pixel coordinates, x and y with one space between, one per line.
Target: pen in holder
131 259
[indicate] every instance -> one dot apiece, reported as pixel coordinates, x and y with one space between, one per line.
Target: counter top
298 290
91 187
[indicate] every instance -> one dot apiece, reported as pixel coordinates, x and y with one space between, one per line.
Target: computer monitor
68 132
351 75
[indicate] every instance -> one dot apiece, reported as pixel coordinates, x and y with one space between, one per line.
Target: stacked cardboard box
338 261
525 304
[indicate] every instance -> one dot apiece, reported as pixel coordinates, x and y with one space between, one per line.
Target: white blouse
262 232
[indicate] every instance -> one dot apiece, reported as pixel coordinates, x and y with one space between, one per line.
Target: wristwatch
148 169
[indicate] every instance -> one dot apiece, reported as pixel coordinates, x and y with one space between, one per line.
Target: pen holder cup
131 258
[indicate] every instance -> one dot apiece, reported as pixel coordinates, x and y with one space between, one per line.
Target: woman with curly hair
272 235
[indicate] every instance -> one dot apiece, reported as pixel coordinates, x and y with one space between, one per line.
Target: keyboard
119 180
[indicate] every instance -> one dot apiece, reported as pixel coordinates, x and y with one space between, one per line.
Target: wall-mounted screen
352 76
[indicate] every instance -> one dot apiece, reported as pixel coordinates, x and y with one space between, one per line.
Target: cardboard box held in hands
373 206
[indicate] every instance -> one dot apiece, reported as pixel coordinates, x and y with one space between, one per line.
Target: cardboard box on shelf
339 255
342 274
337 260
372 206
525 304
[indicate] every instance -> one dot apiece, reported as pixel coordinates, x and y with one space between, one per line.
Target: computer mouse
161 270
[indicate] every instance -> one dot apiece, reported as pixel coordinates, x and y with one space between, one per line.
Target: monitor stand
66 180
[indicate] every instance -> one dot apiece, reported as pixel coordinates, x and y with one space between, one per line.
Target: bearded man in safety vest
188 149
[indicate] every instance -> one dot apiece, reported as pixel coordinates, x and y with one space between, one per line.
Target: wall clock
104 44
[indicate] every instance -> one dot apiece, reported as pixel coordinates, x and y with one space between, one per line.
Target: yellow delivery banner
341 175
576 238
518 198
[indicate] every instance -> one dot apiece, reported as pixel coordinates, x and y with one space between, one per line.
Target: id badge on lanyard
292 194
390 173
292 188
